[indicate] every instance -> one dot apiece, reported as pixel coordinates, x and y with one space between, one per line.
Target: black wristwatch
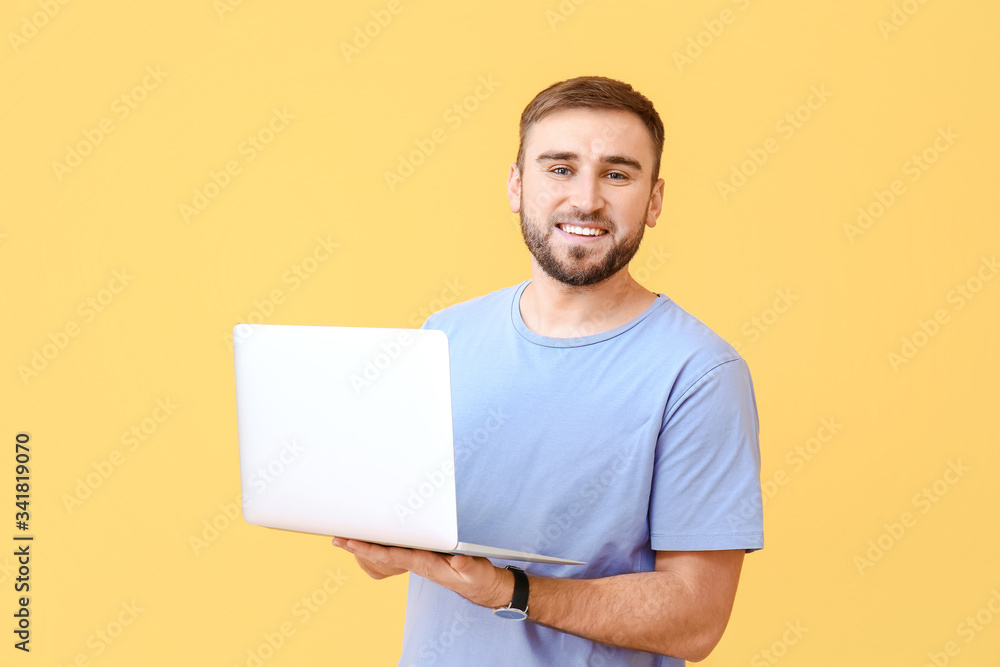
517 610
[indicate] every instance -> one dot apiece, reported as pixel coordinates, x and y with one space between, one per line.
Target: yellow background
221 72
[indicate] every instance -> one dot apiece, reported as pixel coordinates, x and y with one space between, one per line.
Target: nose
585 195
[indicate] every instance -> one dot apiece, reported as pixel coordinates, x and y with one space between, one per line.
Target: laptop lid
347 431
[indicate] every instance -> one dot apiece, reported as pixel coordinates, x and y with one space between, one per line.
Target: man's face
584 197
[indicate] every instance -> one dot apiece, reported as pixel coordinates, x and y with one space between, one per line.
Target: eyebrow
566 156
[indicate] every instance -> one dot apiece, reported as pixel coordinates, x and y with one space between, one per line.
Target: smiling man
628 429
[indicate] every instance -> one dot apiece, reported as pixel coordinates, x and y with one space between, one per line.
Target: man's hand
475 579
374 570
681 608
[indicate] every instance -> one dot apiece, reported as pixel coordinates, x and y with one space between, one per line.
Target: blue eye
557 170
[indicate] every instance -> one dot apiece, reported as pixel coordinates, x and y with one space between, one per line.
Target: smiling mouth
577 230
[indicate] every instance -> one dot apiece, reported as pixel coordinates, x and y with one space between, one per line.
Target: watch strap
517 610
520 597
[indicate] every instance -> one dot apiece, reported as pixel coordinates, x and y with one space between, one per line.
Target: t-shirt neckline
578 341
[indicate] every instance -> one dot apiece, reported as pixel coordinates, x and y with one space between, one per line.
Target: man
594 420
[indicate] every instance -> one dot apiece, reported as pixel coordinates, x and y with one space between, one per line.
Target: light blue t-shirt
602 448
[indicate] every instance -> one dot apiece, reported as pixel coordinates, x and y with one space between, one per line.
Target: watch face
511 614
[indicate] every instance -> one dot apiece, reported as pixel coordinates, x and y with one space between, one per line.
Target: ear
655 203
514 189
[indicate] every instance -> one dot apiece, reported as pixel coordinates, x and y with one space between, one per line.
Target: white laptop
347 432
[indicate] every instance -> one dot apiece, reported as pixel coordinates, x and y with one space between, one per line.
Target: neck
557 310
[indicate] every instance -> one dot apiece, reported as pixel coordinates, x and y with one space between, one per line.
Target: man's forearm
680 609
646 611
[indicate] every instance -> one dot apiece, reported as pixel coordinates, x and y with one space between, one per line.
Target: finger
357 547
394 558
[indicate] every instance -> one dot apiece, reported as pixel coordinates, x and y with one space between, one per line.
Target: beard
585 265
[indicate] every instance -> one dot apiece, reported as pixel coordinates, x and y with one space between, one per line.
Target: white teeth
583 231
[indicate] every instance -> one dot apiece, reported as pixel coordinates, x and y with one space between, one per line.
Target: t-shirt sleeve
706 482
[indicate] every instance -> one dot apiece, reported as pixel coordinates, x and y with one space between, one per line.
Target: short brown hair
593 92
